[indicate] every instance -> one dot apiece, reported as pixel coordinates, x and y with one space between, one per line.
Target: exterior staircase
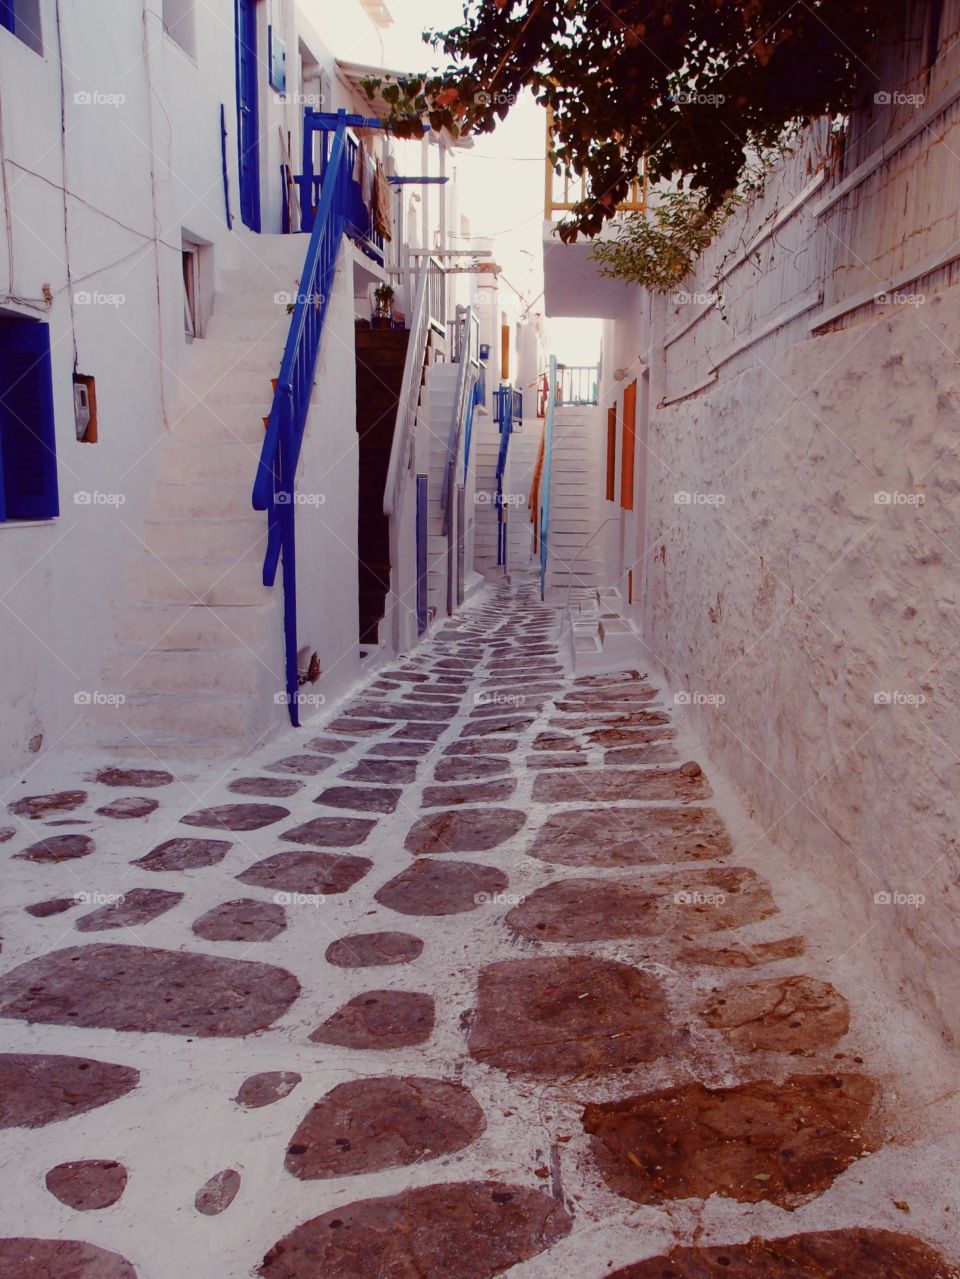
381 354
574 560
200 661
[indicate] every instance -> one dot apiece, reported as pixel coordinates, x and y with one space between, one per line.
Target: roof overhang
377 12
351 73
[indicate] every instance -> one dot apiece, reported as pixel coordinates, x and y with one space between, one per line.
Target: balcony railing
563 191
357 216
577 384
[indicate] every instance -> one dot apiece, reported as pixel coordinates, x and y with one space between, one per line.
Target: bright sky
500 180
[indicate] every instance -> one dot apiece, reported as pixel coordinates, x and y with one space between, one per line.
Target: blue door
422 481
248 116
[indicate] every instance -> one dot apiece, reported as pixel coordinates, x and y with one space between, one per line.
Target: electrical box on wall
85 407
278 61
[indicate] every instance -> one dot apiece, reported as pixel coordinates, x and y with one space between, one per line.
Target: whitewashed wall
799 551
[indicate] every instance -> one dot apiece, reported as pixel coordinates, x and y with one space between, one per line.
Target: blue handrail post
274 487
545 475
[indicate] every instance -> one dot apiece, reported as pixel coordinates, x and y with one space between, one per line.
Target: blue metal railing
509 411
545 474
465 331
274 485
359 220
478 398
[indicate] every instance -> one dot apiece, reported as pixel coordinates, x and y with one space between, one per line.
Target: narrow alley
489 976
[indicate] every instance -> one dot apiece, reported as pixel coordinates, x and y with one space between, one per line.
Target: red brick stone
331 832
782 1014
631 836
136 988
299 871
367 1125
456 1230
86 1184
743 956
371 950
586 909
52 906
467 830
42 1088
184 854
243 920
301 765
269 787
764 1140
237 816
266 1088
499 789
851 1253
136 778
25 1258
464 770
382 770
217 1194
129 807
430 887
365 799
37 806
477 746
58 848
379 1019
606 785
138 906
567 1015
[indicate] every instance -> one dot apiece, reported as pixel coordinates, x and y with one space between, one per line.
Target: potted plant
383 296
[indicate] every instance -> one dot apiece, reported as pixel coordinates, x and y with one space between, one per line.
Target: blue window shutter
7 16
28 457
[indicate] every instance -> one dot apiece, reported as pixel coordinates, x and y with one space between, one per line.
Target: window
22 17
179 22
629 442
28 448
612 453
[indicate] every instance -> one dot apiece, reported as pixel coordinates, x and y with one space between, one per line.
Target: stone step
227 538
217 582
175 627
212 499
232 671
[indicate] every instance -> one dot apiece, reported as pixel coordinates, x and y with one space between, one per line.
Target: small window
28 447
179 22
22 17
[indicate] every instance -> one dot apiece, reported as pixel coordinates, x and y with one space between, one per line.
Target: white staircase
441 392
574 560
521 466
486 453
601 640
200 657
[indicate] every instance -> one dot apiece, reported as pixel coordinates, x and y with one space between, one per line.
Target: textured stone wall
805 599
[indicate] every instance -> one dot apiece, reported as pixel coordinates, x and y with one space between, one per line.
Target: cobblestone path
470 983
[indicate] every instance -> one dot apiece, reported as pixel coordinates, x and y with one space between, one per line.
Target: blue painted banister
274 485
509 411
545 475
